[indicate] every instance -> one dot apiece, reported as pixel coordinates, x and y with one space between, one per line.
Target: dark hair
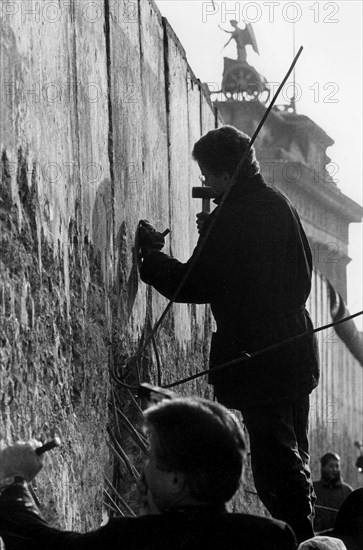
221 151
327 457
203 440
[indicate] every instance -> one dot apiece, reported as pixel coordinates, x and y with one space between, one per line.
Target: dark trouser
280 461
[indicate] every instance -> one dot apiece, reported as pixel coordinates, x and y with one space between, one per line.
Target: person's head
234 23
196 453
330 467
218 154
349 520
322 543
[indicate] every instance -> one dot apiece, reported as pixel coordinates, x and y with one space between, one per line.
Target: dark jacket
328 495
22 528
255 271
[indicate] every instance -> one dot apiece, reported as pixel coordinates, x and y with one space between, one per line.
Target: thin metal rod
247 356
113 502
275 97
122 500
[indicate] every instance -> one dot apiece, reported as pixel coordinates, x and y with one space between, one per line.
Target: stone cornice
278 116
327 194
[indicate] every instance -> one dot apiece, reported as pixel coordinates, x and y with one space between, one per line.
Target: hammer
48 446
206 194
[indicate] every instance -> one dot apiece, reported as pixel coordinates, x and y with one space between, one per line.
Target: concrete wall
54 323
98 116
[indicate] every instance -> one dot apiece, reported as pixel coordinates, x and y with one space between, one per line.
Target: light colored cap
322 543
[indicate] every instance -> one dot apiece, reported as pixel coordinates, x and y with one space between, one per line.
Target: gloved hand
149 238
21 460
201 218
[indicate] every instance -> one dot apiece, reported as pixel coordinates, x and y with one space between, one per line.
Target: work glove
20 460
150 239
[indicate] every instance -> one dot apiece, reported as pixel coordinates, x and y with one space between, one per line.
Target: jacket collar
327 483
243 188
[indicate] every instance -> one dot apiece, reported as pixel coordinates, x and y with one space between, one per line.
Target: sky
328 76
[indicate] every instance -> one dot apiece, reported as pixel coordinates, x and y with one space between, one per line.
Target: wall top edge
156 9
171 35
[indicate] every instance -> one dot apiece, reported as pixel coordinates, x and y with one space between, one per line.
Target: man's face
159 484
219 184
331 470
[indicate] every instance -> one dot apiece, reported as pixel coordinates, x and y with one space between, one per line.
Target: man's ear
177 482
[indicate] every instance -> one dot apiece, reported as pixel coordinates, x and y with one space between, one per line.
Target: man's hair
201 439
327 457
221 151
